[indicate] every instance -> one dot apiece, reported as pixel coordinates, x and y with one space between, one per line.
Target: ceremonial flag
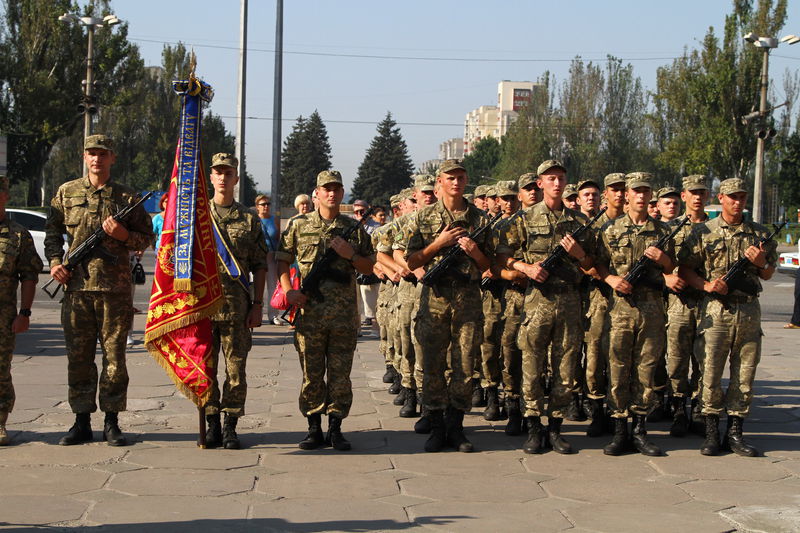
186 285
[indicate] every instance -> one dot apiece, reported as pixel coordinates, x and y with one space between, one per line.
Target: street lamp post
765 44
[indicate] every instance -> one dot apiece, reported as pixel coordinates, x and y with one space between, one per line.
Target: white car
34 222
789 262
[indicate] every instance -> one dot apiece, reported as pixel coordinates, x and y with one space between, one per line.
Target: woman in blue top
263 204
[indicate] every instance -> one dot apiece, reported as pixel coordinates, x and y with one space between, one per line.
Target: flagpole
201 441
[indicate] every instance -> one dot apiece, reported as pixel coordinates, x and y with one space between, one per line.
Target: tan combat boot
3 435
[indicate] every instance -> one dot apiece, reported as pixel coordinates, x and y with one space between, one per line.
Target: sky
430 61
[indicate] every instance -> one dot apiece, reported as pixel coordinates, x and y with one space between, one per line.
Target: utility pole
241 105
758 181
277 115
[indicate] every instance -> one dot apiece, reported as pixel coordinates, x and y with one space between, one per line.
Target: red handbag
278 300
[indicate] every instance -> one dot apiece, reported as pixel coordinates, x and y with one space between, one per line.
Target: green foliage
386 168
306 153
482 161
788 179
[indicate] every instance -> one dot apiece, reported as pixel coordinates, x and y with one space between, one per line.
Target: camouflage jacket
538 232
713 247
622 243
77 210
425 224
309 236
680 240
18 260
241 229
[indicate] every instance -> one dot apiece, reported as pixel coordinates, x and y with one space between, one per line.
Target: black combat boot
230 440
423 425
334 438
618 444
454 426
315 438
478 394
388 377
595 428
680 422
80 432
711 444
734 440
554 438
213 431
111 432
536 436
656 414
514 425
400 399
409 409
639 437
492 411
438 436
396 385
575 410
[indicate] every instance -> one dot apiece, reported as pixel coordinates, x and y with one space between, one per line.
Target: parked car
34 222
789 262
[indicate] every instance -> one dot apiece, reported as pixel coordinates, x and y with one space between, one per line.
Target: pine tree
306 153
386 168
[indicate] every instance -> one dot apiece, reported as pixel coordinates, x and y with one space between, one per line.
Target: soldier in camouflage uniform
448 326
597 325
480 197
550 321
385 299
636 314
683 307
242 234
97 301
326 329
570 196
730 315
19 264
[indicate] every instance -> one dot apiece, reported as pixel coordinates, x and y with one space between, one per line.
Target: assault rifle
92 245
497 285
734 277
637 272
321 269
552 262
433 275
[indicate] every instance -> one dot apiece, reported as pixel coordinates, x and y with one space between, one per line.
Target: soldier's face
615 195
480 202
639 198
330 195
589 198
98 160
552 183
695 200
508 204
733 204
452 183
424 198
528 195
571 202
668 207
224 179
491 204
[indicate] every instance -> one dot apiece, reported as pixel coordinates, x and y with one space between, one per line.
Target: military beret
663 192
103 142
480 190
638 179
570 190
613 179
732 185
424 182
223 159
695 182
506 188
587 183
547 165
450 165
526 179
328 176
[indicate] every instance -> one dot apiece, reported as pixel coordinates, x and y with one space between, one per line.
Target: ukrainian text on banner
186 285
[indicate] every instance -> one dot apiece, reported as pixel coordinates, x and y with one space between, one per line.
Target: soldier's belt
550 289
517 288
728 300
456 283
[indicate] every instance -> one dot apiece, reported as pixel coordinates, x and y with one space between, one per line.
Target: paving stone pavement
163 482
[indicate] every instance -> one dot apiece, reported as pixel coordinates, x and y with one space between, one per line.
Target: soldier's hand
61 274
396 277
404 272
20 324
115 229
572 247
619 284
468 245
296 298
674 282
657 255
540 274
449 236
419 273
254 316
757 256
717 286
342 247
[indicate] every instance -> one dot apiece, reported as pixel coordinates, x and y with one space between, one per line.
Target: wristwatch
25 312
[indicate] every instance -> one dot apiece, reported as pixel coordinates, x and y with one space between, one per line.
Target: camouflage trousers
512 355
637 338
448 329
733 336
383 316
7 315
492 336
596 341
89 316
234 339
682 335
407 295
325 340
394 327
551 323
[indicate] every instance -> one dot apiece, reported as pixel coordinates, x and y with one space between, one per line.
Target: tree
386 168
482 160
788 179
306 153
